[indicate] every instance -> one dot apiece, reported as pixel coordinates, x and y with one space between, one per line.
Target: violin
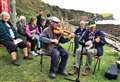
59 30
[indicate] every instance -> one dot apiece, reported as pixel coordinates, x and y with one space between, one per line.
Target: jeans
59 58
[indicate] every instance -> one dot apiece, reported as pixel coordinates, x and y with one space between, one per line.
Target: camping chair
97 63
44 52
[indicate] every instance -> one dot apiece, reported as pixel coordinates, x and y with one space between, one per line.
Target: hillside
29 8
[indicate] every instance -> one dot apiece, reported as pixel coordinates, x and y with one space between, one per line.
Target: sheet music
16 41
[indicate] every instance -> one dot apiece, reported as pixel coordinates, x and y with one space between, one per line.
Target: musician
93 46
80 32
51 42
9 38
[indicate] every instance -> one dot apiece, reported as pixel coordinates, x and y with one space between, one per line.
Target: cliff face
111 29
29 8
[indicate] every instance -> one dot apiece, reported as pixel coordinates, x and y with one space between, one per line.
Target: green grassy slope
29 71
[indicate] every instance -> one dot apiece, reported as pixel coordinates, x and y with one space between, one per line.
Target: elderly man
92 45
78 32
97 39
8 38
51 42
81 32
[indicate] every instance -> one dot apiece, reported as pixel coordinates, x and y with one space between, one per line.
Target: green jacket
21 30
4 31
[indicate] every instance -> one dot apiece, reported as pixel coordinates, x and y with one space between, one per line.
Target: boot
15 63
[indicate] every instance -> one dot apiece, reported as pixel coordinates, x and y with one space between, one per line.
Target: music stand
78 76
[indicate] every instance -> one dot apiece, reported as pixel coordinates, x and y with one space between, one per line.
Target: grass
29 71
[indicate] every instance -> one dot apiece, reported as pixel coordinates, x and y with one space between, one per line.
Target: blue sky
95 6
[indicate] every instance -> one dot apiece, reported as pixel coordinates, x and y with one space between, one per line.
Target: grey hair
5 13
82 22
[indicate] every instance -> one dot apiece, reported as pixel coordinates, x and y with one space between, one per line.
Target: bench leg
41 61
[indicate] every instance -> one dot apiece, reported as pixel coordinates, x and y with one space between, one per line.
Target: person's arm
100 40
37 30
28 32
45 37
63 40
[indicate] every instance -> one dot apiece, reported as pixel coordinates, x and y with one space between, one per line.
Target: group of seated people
27 36
24 35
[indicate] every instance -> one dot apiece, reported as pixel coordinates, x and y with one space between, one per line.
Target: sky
94 6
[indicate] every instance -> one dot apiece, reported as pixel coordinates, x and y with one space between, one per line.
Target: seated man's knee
92 51
78 51
22 44
55 53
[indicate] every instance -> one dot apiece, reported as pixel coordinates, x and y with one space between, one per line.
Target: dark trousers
11 47
33 43
59 58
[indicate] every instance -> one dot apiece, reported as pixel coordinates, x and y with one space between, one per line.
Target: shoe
33 53
65 73
42 51
13 62
38 52
27 58
86 72
73 71
52 75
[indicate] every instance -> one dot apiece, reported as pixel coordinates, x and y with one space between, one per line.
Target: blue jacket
99 46
79 34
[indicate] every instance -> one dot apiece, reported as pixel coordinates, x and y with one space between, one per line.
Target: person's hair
22 17
5 13
33 19
82 22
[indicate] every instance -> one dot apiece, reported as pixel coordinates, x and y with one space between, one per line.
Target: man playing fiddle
51 40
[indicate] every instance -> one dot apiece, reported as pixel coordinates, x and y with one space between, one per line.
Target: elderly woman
9 38
21 24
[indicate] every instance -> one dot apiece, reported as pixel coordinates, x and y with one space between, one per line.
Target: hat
54 19
91 23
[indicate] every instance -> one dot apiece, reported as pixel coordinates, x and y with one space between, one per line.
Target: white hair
5 13
22 17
